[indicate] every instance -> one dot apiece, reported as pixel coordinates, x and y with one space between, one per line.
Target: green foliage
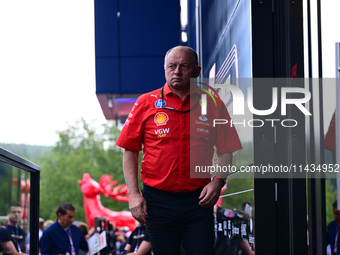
241 181
237 185
331 196
27 151
244 157
80 149
6 184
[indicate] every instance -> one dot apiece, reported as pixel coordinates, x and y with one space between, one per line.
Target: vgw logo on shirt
162 132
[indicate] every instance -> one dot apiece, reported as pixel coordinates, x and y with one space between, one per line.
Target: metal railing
14 160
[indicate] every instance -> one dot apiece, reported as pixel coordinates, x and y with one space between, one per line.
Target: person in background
114 237
14 215
41 227
62 237
138 243
28 237
84 228
333 230
47 224
6 244
225 244
121 243
244 244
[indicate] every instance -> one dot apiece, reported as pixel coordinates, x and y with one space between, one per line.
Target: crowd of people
67 236
70 237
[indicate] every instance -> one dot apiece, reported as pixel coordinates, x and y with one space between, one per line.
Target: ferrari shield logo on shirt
160 103
161 118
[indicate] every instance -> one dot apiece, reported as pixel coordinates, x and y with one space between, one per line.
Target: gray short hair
192 51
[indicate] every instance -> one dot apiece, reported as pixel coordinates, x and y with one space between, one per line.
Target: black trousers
176 219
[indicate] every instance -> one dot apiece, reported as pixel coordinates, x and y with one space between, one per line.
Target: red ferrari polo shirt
174 144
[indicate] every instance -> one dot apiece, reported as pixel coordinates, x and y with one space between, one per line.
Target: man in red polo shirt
177 203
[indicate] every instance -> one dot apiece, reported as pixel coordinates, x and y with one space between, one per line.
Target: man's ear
198 71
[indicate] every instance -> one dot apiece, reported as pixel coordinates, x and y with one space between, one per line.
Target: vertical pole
199 34
34 212
337 116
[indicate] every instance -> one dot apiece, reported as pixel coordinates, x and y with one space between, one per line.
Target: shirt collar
10 224
167 90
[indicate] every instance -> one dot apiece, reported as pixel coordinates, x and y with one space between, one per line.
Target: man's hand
210 193
137 206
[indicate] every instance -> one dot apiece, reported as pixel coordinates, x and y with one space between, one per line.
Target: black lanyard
15 238
173 109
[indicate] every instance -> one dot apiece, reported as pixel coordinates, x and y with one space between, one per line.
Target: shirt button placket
182 144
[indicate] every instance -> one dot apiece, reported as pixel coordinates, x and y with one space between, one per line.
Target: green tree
29 152
234 198
80 149
331 196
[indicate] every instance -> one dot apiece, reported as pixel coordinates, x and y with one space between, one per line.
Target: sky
330 35
47 67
